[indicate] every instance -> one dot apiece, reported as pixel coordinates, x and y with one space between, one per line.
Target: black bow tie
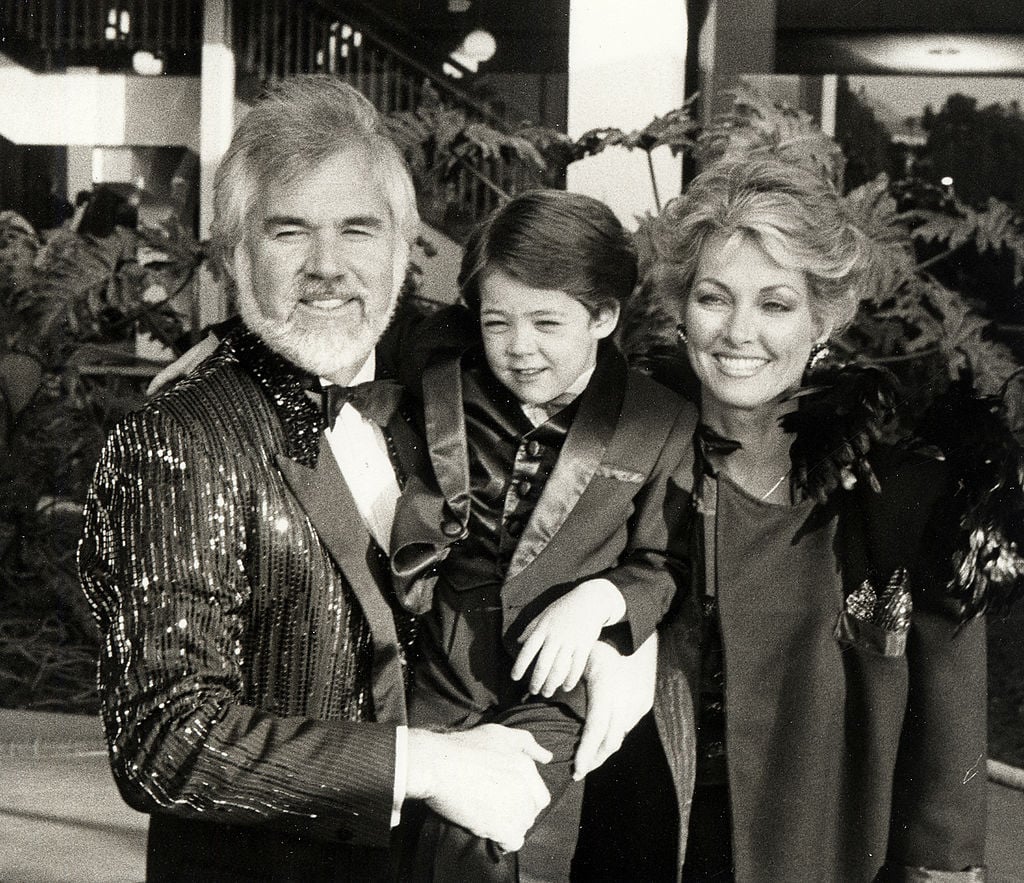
376 400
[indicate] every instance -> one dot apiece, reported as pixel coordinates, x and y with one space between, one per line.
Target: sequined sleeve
162 563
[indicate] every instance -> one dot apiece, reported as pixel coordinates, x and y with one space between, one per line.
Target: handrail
315 22
54 31
273 39
278 38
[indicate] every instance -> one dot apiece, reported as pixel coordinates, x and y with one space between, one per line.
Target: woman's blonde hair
793 214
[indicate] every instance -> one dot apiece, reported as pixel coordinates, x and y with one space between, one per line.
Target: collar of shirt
538 414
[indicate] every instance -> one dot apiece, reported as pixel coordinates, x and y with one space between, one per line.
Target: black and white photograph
541 441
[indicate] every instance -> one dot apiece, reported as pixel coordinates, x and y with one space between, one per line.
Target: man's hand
484 779
620 691
563 634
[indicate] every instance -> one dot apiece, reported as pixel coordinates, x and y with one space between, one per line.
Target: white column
79 169
829 95
216 123
626 66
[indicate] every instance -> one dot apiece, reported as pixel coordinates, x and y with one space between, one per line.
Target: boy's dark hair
554 240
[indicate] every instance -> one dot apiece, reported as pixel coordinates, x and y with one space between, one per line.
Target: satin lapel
408 446
581 454
446 434
327 502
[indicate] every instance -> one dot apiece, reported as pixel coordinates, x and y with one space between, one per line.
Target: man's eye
548 324
286 233
358 232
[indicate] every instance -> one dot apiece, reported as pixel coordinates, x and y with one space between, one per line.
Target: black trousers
198 851
437 850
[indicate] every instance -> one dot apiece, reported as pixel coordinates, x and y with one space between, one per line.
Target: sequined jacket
250 671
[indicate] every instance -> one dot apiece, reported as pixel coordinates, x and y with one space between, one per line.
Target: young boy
559 479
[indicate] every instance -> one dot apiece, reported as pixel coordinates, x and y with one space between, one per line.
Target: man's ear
603 324
403 252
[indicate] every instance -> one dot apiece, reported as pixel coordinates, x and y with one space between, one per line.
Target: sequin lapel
283 384
588 438
328 503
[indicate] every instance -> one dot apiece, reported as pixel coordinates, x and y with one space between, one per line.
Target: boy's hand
620 691
562 636
185 364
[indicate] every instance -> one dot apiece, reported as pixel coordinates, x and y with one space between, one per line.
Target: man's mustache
324 289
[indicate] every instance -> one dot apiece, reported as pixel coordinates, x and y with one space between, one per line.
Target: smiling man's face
321 264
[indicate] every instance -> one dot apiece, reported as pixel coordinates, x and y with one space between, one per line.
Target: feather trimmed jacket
926 540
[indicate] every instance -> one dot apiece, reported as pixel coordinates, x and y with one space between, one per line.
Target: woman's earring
818 352
681 332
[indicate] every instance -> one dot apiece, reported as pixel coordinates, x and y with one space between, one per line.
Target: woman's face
749 324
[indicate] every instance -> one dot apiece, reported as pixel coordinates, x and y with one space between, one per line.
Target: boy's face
538 341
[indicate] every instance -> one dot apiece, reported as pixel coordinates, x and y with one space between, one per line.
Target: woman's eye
775 306
710 298
494 326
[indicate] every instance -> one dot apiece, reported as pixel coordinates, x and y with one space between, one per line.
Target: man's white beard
326 350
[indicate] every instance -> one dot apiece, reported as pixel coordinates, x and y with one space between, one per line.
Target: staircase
274 39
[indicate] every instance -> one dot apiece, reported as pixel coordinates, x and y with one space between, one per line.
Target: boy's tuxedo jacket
613 506
251 677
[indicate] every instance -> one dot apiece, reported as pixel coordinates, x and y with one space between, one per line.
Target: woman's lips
740 366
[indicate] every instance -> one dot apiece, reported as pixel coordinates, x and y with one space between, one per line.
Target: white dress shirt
538 414
361 451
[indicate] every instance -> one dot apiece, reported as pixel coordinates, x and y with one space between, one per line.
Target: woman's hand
184 365
561 637
620 691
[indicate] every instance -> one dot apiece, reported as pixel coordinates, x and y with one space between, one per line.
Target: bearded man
251 672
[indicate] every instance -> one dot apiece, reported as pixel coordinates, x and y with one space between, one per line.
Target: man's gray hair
295 126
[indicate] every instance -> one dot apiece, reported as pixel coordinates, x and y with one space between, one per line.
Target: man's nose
324 260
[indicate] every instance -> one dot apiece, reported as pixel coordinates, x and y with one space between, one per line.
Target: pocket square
619 474
878 621
889 609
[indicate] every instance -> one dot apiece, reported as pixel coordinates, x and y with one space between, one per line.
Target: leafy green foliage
74 307
758 125
994 228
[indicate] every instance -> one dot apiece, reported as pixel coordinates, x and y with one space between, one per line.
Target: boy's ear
603 324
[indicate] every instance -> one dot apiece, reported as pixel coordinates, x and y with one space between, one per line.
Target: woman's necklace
775 486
